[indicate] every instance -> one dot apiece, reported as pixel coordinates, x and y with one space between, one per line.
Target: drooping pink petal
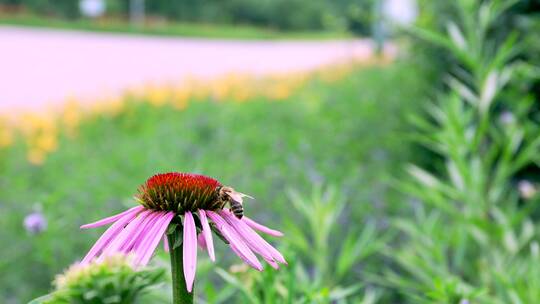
159 232
207 234
136 243
273 264
138 236
109 234
165 244
201 241
126 234
189 250
236 242
151 240
111 219
145 239
253 240
251 223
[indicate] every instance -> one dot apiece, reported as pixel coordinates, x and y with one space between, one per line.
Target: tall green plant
471 238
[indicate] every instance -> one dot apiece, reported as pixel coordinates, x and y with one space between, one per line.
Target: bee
234 198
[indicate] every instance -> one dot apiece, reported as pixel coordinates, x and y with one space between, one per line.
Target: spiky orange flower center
179 192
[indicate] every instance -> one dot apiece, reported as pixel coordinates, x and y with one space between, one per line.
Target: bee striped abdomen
237 209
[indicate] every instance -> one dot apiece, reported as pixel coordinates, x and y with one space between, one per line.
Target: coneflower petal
201 242
252 239
126 234
273 264
111 219
165 244
189 250
236 242
207 234
143 240
109 234
154 235
138 238
252 243
251 223
160 232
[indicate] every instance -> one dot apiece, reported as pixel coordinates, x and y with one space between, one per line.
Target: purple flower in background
35 222
191 205
507 118
526 189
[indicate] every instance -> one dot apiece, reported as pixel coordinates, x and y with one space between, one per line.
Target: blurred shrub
60 8
276 14
436 15
470 232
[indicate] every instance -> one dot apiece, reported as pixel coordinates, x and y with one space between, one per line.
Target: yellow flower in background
221 88
333 74
180 97
111 106
46 142
40 134
37 123
242 87
6 135
35 156
71 117
200 90
242 93
278 92
157 96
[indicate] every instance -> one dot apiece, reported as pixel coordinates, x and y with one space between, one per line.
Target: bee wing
248 196
240 194
236 196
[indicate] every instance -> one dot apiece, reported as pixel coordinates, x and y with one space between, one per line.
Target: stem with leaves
180 293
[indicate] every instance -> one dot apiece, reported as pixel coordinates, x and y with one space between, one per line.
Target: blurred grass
162 28
347 133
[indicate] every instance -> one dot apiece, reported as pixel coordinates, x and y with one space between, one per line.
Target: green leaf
342 293
41 299
238 284
172 228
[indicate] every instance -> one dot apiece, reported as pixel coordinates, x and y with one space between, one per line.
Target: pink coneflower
185 208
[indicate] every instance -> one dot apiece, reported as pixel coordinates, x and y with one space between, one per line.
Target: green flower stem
180 293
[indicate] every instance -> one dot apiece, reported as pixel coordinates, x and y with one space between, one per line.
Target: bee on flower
186 208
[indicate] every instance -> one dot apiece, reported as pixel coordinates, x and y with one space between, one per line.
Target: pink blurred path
39 68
